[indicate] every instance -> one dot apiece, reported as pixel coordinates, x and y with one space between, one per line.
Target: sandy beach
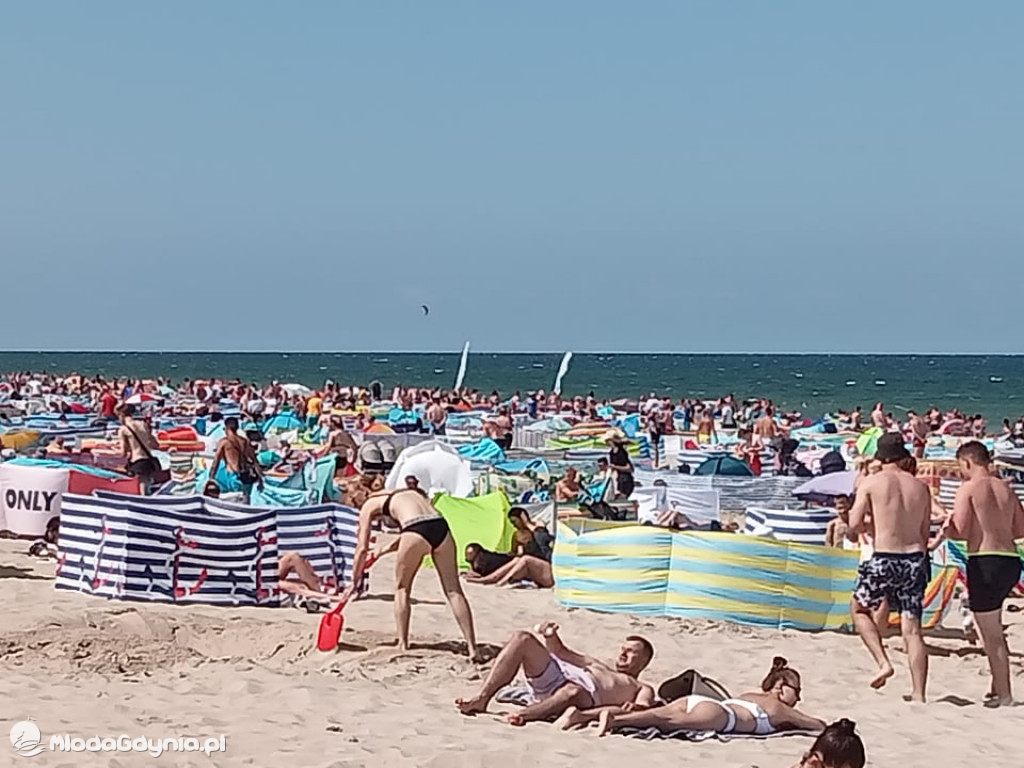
86 667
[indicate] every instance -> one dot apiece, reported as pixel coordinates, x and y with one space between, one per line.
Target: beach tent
438 467
728 466
481 520
282 422
31 491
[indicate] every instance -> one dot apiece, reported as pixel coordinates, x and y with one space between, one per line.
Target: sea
813 384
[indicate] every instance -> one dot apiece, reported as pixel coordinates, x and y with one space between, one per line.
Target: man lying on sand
561 678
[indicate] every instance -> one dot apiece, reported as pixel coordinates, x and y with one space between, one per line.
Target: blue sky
659 176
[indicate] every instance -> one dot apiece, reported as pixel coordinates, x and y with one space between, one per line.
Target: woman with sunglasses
838 746
769 710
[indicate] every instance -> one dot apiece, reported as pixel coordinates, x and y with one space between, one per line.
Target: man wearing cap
897 506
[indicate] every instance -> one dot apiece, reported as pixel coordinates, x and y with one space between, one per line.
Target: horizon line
491 352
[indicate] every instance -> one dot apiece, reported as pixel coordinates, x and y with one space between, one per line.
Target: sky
597 176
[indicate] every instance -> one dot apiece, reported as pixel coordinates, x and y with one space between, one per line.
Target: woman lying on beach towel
501 569
423 532
838 746
769 710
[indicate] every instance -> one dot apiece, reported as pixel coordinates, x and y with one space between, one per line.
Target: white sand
87 667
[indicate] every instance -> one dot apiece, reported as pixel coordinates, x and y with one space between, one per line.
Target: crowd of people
890 511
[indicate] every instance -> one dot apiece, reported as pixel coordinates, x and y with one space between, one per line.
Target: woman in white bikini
771 709
423 532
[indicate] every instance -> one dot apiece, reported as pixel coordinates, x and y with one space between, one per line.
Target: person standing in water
423 532
899 506
989 517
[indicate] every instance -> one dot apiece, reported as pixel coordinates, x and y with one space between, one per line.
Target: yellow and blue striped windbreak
720 576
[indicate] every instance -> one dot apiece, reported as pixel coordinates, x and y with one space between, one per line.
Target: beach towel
652 734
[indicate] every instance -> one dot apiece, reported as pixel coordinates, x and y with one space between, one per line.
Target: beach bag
602 510
691 683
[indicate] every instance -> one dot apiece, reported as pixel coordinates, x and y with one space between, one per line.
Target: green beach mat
482 520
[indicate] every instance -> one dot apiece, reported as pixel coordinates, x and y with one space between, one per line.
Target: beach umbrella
867 443
141 397
824 488
294 389
728 466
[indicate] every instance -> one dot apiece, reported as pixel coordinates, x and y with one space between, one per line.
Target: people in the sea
988 516
423 531
561 678
898 506
769 710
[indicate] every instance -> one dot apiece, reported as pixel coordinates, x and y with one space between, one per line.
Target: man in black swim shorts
988 515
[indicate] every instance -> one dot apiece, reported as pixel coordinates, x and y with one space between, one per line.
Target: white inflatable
438 467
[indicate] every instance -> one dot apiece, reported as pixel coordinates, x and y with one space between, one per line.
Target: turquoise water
812 383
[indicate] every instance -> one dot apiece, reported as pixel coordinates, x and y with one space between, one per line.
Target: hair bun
846 726
779 662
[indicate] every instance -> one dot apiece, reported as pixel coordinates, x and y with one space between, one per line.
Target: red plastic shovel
333 621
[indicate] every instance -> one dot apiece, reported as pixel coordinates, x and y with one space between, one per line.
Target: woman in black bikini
423 532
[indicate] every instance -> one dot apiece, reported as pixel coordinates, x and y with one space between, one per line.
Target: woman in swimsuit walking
423 532
771 709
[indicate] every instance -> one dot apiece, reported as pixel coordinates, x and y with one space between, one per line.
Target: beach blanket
651 734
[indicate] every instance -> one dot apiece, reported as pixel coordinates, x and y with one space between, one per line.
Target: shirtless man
919 431
500 429
437 416
766 430
856 419
561 678
568 488
878 416
988 516
241 469
899 506
706 428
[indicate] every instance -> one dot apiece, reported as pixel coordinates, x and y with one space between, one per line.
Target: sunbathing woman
501 569
423 532
771 709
